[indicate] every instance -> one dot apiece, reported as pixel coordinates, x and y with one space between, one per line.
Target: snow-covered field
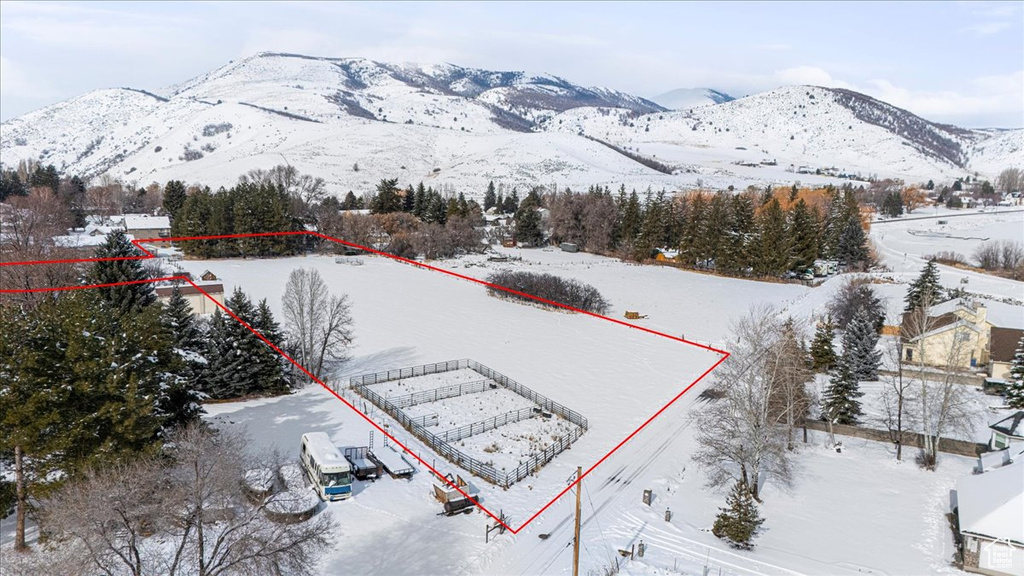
851 513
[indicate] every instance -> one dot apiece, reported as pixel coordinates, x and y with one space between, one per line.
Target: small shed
569 247
208 276
455 500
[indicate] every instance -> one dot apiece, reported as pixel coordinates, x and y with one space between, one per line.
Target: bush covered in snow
549 287
292 506
214 129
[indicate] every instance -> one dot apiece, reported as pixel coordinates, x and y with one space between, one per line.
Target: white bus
325 467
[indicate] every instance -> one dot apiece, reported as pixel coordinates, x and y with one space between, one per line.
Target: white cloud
986 28
807 75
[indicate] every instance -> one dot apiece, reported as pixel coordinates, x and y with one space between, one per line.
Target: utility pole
576 540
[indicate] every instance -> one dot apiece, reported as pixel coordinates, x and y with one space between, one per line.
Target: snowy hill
685 98
805 126
354 121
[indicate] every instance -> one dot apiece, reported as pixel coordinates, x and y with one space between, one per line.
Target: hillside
354 121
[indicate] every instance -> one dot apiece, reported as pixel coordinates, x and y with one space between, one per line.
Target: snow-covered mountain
354 121
686 98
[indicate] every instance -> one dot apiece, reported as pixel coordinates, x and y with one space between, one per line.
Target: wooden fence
911 439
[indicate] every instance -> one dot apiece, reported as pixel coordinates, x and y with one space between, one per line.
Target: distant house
961 333
1002 348
197 300
208 276
145 227
990 508
957 333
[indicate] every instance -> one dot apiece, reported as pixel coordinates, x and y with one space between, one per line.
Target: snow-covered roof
144 222
992 504
83 240
1005 315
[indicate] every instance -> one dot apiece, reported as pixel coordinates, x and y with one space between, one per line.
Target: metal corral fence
435 394
442 447
484 425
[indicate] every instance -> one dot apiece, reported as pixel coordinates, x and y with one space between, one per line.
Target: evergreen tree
739 521
691 249
387 199
773 250
803 233
840 404
859 341
11 185
179 320
735 257
240 363
409 199
528 222
925 290
930 185
1015 384
174 197
420 202
180 401
853 243
631 217
489 197
262 208
823 355
892 205
128 298
511 205
350 202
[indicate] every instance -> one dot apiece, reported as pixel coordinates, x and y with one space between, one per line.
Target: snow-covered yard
855 512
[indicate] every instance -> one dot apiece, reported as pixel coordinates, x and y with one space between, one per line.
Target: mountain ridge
459 126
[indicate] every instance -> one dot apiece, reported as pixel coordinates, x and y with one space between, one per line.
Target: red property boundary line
147 255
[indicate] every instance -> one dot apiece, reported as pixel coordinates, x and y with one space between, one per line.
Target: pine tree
1015 384
773 247
840 404
123 299
511 205
409 199
174 197
739 521
925 290
631 218
853 243
892 205
528 223
234 367
489 197
180 400
823 354
387 199
859 342
803 232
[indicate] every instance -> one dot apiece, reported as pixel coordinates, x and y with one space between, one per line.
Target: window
910 354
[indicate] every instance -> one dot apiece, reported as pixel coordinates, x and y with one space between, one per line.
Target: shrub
549 287
214 129
190 154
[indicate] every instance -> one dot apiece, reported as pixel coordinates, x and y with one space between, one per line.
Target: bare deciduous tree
319 323
186 514
943 404
742 434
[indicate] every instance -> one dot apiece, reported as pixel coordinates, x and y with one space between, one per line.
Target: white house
194 296
990 507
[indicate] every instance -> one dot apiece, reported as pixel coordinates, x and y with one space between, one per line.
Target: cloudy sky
961 63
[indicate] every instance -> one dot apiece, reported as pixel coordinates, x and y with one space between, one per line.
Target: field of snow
904 245
880 517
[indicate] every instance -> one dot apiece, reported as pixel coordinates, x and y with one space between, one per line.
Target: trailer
456 501
395 463
364 465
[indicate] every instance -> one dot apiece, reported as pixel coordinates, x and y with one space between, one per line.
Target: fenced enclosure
441 442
